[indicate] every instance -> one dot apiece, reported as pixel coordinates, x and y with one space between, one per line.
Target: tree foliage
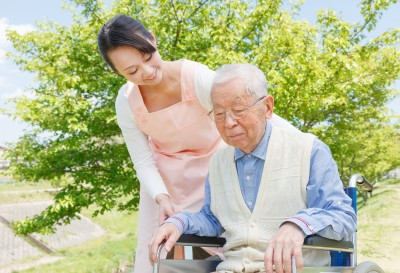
328 79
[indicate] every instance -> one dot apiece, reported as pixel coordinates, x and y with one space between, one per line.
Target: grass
24 186
7 198
378 227
111 252
23 192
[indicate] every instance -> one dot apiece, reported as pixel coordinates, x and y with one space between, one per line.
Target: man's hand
287 242
165 207
167 232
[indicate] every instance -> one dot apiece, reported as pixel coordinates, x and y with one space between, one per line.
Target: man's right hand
167 232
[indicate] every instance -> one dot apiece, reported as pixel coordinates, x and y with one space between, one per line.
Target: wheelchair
343 253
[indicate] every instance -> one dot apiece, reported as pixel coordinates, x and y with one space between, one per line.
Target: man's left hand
287 242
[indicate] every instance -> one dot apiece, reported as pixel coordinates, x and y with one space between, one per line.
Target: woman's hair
123 30
252 78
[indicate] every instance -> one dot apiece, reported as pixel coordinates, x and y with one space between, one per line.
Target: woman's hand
165 207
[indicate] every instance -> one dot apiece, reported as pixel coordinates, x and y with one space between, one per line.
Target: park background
15 83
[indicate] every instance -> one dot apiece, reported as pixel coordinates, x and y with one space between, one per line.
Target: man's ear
269 106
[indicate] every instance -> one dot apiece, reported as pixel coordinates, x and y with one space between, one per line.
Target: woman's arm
138 146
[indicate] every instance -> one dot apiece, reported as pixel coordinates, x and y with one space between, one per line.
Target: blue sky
21 15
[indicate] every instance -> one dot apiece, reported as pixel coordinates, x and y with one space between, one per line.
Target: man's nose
229 120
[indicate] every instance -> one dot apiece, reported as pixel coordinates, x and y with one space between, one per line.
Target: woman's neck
171 75
167 92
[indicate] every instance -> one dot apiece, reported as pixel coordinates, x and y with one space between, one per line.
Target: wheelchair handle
156 266
358 179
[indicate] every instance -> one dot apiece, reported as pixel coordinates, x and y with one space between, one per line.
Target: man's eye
238 111
149 58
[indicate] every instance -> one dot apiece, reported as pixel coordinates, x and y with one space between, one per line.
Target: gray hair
252 78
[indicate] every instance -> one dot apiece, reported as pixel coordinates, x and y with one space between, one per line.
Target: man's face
243 133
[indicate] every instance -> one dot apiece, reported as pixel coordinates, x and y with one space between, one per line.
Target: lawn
112 252
25 186
26 192
379 226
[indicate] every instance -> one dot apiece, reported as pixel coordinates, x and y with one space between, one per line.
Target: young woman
162 112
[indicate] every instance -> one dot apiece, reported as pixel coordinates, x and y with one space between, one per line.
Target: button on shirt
247 166
329 211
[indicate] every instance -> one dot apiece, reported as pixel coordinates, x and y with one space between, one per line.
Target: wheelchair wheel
368 267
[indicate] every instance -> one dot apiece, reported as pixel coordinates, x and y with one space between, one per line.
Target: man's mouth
235 136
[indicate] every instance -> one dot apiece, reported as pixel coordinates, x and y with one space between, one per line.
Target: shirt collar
261 150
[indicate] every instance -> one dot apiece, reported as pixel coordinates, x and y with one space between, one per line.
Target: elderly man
267 189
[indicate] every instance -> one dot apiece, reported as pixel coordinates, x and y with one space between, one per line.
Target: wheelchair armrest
318 242
310 242
194 240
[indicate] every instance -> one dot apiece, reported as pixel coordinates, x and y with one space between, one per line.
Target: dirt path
379 229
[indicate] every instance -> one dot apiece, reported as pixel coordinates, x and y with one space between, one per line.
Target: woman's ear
153 39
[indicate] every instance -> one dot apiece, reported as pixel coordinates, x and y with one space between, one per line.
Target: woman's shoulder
122 96
194 64
200 71
125 89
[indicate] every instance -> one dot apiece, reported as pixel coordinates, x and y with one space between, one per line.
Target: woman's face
137 67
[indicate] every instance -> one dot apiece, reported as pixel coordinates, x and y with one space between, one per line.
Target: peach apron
183 139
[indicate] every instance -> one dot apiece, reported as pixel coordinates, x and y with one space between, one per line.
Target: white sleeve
281 122
204 78
138 147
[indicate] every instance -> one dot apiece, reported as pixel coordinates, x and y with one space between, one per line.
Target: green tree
327 79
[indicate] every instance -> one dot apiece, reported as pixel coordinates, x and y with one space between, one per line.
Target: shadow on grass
361 202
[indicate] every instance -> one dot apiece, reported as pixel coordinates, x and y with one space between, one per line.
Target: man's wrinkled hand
284 245
167 232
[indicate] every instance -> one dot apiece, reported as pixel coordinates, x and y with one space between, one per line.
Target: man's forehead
229 100
232 84
235 87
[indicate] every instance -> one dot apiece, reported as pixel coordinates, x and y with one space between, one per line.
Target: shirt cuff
178 222
305 227
155 188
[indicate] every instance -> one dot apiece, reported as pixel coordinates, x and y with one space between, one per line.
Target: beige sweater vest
281 195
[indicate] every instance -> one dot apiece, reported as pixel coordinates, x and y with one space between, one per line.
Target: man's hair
252 78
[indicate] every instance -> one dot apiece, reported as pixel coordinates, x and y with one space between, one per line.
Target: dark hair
123 30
